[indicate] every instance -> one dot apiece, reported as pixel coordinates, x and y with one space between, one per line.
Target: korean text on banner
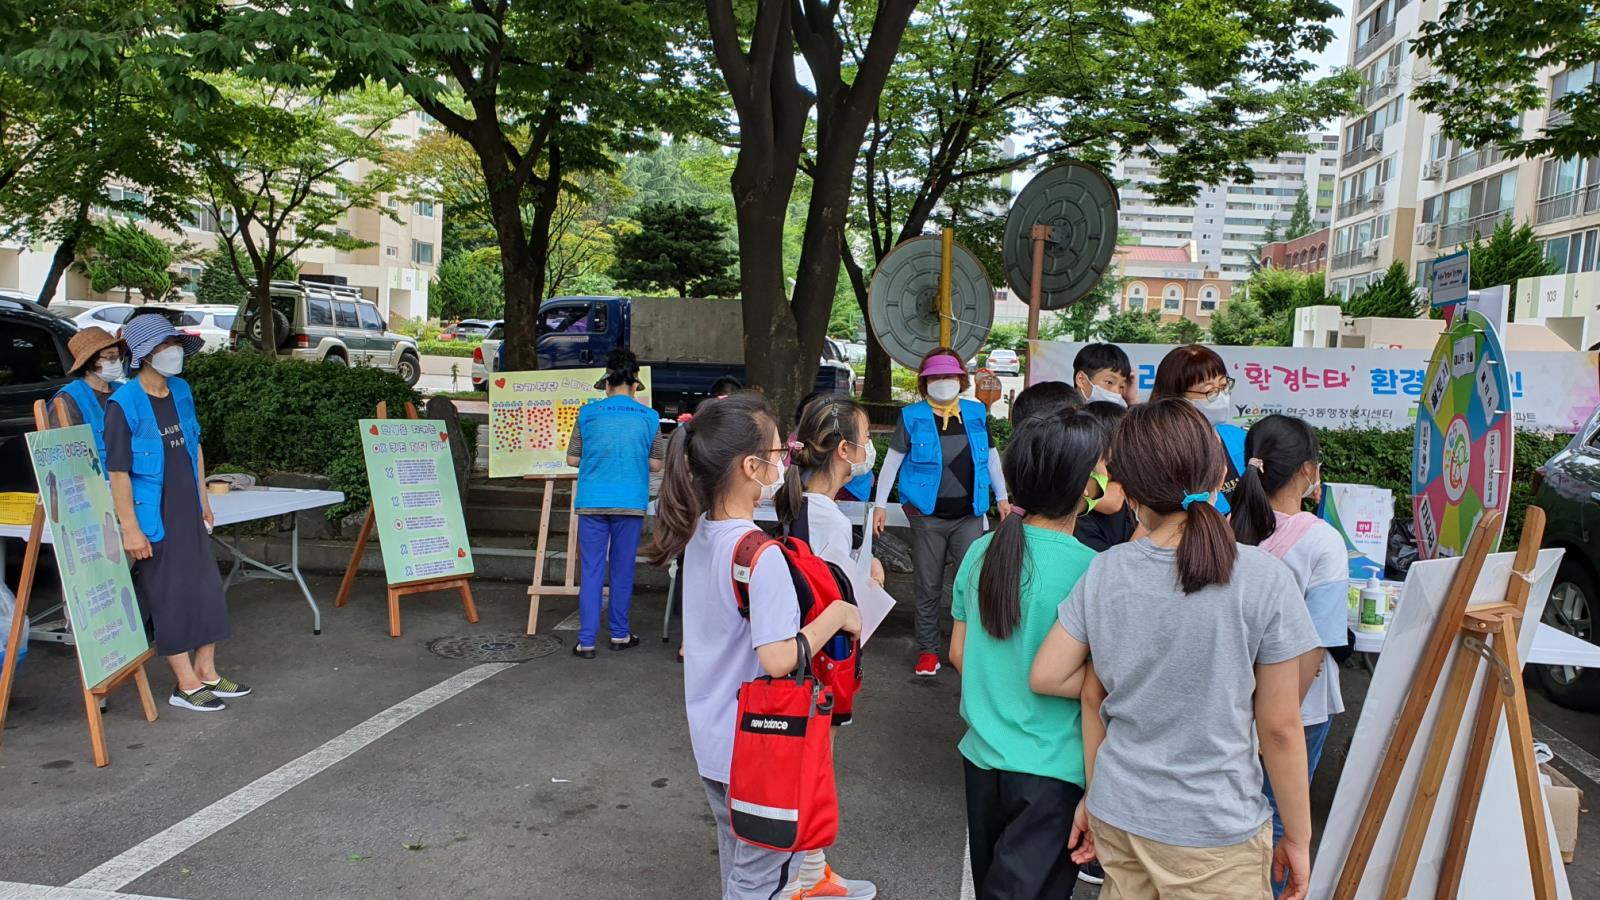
532 414
1348 388
95 582
415 502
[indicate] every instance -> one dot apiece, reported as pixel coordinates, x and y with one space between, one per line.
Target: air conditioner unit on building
1427 233
1390 78
1431 171
1369 250
1373 143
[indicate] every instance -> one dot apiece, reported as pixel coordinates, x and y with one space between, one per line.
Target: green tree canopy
1393 296
1488 59
219 277
1133 326
1300 222
1511 253
123 255
680 247
469 285
1241 323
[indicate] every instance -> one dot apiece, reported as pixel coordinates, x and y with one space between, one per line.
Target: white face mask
944 390
111 370
768 491
168 362
1311 488
1100 393
858 469
1218 410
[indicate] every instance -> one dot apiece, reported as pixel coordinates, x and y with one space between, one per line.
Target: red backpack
817 585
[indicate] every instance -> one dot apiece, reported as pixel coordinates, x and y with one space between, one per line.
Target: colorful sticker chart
532 414
415 502
1461 446
98 590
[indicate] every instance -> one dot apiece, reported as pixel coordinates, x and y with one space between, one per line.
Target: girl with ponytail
1023 752
1197 643
1282 471
830 448
717 467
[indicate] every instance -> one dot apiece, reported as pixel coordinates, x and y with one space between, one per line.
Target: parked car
467 329
1567 488
33 366
486 356
331 324
686 343
1004 362
108 316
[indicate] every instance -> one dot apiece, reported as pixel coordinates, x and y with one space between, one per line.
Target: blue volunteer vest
1233 446
614 470
88 405
923 467
148 471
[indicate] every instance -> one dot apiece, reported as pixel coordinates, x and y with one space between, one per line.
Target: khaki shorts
1141 869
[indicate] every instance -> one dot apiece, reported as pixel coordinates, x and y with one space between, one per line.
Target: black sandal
632 641
583 652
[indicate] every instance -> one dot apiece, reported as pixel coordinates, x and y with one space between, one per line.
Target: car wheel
1571 609
410 369
337 358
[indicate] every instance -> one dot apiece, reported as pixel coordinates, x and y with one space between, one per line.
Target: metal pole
1040 234
947 247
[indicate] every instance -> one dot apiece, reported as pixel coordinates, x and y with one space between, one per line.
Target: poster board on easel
1477 832
423 536
111 645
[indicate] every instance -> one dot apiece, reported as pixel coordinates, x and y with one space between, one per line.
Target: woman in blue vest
99 360
615 446
157 472
1195 372
947 468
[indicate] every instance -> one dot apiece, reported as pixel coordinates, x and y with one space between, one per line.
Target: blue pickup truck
687 343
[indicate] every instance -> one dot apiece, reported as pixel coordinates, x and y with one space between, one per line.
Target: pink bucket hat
943 364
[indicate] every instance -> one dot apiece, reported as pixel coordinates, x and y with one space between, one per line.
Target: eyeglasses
1213 394
1102 480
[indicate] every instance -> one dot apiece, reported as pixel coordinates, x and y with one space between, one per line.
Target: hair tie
796 446
1255 463
685 418
1202 497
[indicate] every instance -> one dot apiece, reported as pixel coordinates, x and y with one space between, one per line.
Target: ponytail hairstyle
622 367
1276 448
1168 458
703 457
1046 464
826 421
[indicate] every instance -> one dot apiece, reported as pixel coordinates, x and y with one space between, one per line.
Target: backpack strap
745 554
800 527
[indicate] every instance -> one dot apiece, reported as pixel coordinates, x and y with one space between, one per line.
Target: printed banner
415 501
1362 514
1347 388
101 606
532 414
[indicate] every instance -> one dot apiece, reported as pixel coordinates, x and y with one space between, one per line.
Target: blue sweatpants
606 542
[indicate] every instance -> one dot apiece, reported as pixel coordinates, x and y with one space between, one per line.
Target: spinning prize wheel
903 302
1461 448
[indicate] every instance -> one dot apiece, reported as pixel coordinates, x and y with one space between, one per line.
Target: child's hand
1080 844
849 618
877 572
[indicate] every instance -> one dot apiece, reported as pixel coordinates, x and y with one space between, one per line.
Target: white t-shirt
831 537
1315 553
718 643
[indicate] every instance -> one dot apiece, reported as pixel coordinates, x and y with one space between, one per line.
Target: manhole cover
509 647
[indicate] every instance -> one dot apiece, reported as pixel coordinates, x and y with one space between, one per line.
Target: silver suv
332 324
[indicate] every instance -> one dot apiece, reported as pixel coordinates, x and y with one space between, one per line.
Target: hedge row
429 347
262 416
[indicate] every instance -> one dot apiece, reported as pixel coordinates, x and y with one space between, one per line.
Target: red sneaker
927 665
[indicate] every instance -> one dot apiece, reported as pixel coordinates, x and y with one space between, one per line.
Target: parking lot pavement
365 766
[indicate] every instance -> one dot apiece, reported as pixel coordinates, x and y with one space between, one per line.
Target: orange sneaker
832 886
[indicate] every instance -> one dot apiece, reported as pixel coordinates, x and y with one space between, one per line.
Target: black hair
1046 465
805 402
727 384
1282 445
702 457
622 367
825 422
1107 412
1163 453
1044 399
1099 357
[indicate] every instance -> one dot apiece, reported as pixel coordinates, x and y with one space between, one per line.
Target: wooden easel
462 583
569 584
91 694
1488 633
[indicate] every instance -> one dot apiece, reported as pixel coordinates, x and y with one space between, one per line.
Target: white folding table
232 508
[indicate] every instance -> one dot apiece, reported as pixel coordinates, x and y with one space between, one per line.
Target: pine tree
679 246
1300 223
1511 253
1393 296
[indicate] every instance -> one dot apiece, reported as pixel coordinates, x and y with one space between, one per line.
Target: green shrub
431 347
263 416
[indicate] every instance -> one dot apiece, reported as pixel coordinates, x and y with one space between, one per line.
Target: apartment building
1229 221
394 273
1407 193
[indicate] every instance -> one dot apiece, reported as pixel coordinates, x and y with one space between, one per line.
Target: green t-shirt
1009 727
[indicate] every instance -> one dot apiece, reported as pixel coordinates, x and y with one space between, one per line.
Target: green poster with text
105 616
415 502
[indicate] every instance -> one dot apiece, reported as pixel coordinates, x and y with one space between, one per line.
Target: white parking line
134 863
13 890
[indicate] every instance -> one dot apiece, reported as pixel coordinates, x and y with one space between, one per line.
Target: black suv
33 366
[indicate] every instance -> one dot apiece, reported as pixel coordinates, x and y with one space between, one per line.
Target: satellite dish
1079 203
903 303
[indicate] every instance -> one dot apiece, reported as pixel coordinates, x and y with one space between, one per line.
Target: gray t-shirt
1180 763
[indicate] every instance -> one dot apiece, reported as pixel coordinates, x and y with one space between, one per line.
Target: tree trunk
876 386
269 328
771 339
66 252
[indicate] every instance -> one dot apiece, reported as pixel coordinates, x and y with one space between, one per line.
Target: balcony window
425 209
1473 210
422 253
1568 82
1567 188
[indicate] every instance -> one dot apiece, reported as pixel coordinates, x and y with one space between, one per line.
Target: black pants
1018 826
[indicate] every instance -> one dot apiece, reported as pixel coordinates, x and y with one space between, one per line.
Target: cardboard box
1565 801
